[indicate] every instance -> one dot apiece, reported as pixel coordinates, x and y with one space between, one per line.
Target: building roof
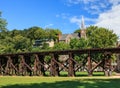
64 36
76 35
73 35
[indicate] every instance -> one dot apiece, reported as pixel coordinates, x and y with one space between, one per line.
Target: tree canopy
3 23
99 37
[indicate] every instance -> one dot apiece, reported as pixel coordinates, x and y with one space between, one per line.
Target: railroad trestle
36 64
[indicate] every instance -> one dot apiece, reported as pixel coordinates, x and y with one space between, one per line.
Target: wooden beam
63 52
61 65
9 66
107 65
71 71
36 65
54 69
24 67
39 65
98 64
89 65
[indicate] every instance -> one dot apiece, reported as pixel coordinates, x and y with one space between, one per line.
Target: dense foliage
101 37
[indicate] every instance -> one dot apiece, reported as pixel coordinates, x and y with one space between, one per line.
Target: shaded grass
58 82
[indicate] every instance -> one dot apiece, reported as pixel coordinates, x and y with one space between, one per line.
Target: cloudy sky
61 14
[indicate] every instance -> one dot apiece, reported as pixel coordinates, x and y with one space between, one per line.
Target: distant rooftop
63 37
76 35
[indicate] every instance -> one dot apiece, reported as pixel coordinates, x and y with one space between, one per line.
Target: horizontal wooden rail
64 52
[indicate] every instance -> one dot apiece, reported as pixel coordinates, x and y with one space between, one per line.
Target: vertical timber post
117 68
22 67
110 66
39 65
56 65
41 58
36 65
28 65
107 65
0 66
89 65
8 68
71 71
54 69
52 66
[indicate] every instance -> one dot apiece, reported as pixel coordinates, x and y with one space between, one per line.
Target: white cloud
110 19
114 2
80 1
74 1
48 25
63 15
77 20
88 1
91 6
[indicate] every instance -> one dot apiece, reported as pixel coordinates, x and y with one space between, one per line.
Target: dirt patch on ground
116 75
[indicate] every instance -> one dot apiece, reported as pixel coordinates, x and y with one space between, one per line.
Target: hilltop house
64 37
40 42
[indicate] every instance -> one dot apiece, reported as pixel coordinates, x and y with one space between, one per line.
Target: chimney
59 36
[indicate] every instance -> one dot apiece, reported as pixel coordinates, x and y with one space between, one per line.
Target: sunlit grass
58 82
98 80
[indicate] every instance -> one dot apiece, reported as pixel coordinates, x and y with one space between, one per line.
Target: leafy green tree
78 43
45 46
3 23
35 33
77 31
6 45
101 37
97 37
52 33
61 46
14 33
21 44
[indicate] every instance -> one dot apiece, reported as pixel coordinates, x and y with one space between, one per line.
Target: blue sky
61 14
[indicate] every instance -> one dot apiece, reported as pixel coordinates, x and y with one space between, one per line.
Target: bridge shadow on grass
84 83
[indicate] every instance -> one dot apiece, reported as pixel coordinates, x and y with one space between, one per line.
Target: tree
52 33
101 37
61 46
98 37
21 44
6 45
15 32
35 33
3 24
78 43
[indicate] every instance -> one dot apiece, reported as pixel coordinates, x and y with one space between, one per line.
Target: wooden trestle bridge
34 63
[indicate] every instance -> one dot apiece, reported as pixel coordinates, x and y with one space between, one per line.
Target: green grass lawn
79 74
58 82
